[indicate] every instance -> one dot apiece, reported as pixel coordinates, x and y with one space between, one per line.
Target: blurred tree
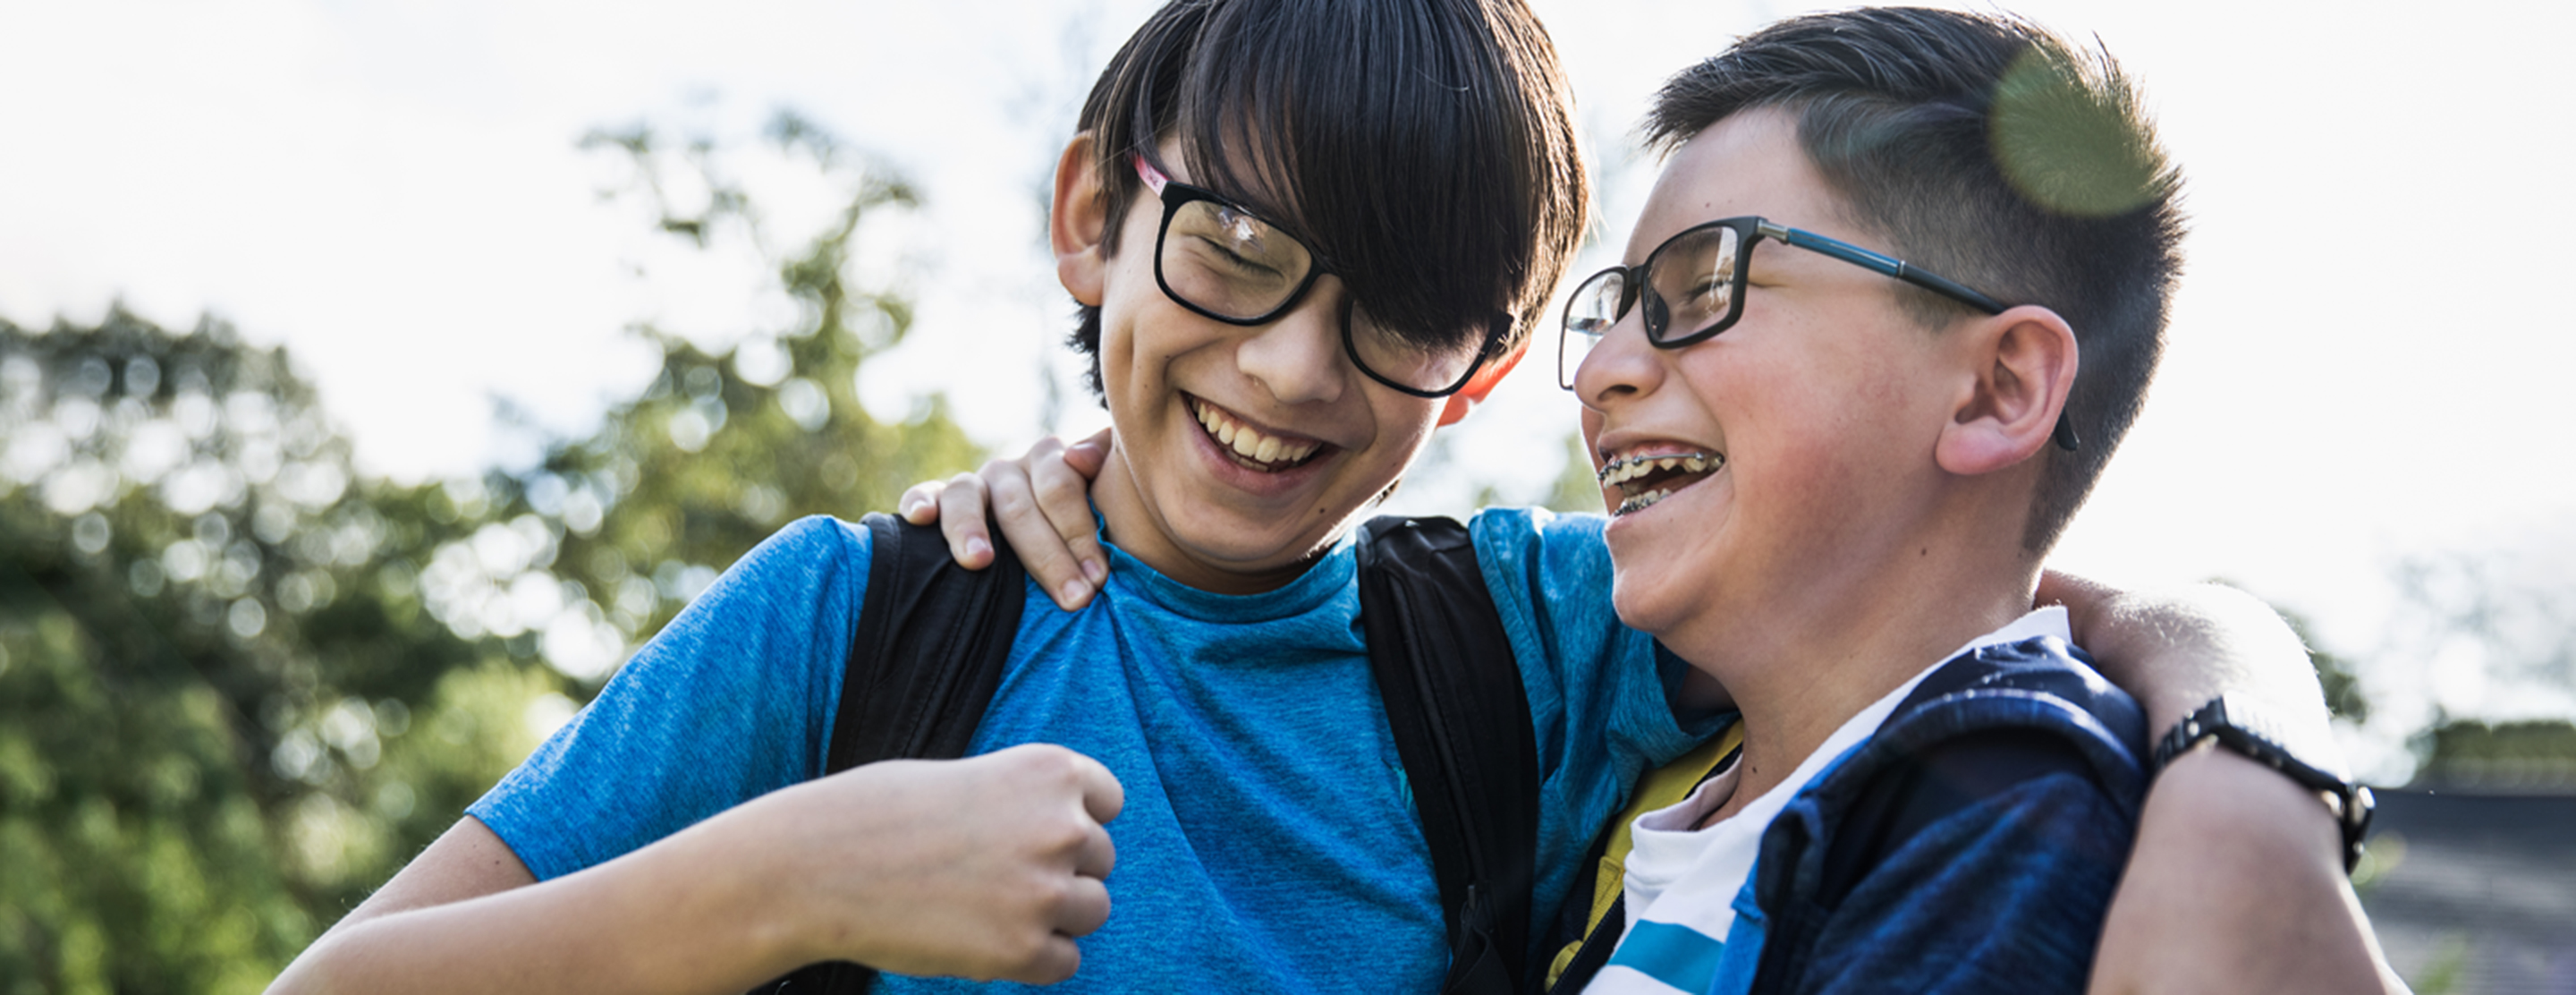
209 645
2482 644
2470 754
240 685
2334 672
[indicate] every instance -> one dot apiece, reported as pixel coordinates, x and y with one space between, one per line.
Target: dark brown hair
1424 149
1987 150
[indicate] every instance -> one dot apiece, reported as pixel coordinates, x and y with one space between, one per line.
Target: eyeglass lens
1690 285
1221 259
1229 262
1693 279
1595 306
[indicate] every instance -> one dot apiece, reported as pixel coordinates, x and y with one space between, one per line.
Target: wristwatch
2237 723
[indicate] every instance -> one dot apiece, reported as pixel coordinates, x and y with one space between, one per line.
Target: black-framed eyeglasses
1223 262
1693 287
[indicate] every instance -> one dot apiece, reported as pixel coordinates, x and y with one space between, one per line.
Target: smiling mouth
1646 479
1249 447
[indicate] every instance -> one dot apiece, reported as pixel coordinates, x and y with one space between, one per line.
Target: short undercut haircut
1424 149
1992 152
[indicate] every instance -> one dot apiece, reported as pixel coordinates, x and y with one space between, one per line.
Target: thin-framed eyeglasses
1693 287
1223 262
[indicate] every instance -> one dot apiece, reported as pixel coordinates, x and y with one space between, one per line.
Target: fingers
2085 600
2060 587
961 519
1089 455
1083 907
1077 903
1018 507
1043 504
1102 796
1063 493
920 502
1055 960
1090 785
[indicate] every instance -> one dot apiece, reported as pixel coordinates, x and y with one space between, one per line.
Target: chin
1637 598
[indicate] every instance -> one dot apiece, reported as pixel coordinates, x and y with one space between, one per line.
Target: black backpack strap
1462 726
929 650
928 653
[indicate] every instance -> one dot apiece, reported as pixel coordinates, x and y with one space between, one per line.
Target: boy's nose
1298 358
1622 365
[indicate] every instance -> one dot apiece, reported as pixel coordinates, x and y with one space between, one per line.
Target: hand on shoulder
1041 501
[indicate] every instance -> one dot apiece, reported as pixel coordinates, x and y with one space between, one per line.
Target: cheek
1398 429
1402 431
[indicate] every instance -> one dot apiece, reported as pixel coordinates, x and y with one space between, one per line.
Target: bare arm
985 868
2237 881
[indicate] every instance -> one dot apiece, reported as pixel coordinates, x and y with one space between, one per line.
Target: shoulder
1537 553
730 700
1983 740
815 536
2006 892
1526 530
2041 685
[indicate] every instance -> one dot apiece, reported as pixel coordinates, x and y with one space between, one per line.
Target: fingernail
1093 569
1073 591
978 547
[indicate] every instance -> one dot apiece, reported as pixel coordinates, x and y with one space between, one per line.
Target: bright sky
2366 360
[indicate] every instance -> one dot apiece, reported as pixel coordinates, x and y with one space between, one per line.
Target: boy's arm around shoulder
2237 881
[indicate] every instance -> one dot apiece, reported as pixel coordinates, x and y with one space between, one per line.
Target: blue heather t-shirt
1267 843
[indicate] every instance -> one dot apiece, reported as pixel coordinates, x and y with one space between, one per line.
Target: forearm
654 920
2237 879
2236 885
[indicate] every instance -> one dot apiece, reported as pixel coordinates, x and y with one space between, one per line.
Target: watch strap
2238 725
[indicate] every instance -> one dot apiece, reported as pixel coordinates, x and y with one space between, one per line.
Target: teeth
1623 470
1643 501
1249 442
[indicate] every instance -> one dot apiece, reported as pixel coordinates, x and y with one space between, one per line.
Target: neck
1802 662
1150 534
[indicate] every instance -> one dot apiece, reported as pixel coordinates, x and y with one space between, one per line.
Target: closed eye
1236 262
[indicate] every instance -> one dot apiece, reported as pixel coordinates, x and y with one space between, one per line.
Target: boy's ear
1078 221
2023 363
1481 384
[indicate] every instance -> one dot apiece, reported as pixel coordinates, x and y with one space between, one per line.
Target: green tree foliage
2335 673
240 684
2471 754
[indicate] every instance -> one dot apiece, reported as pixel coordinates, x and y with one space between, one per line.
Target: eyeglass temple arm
1888 265
2064 434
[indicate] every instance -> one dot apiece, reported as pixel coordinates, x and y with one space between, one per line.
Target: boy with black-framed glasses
1935 791
1356 201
